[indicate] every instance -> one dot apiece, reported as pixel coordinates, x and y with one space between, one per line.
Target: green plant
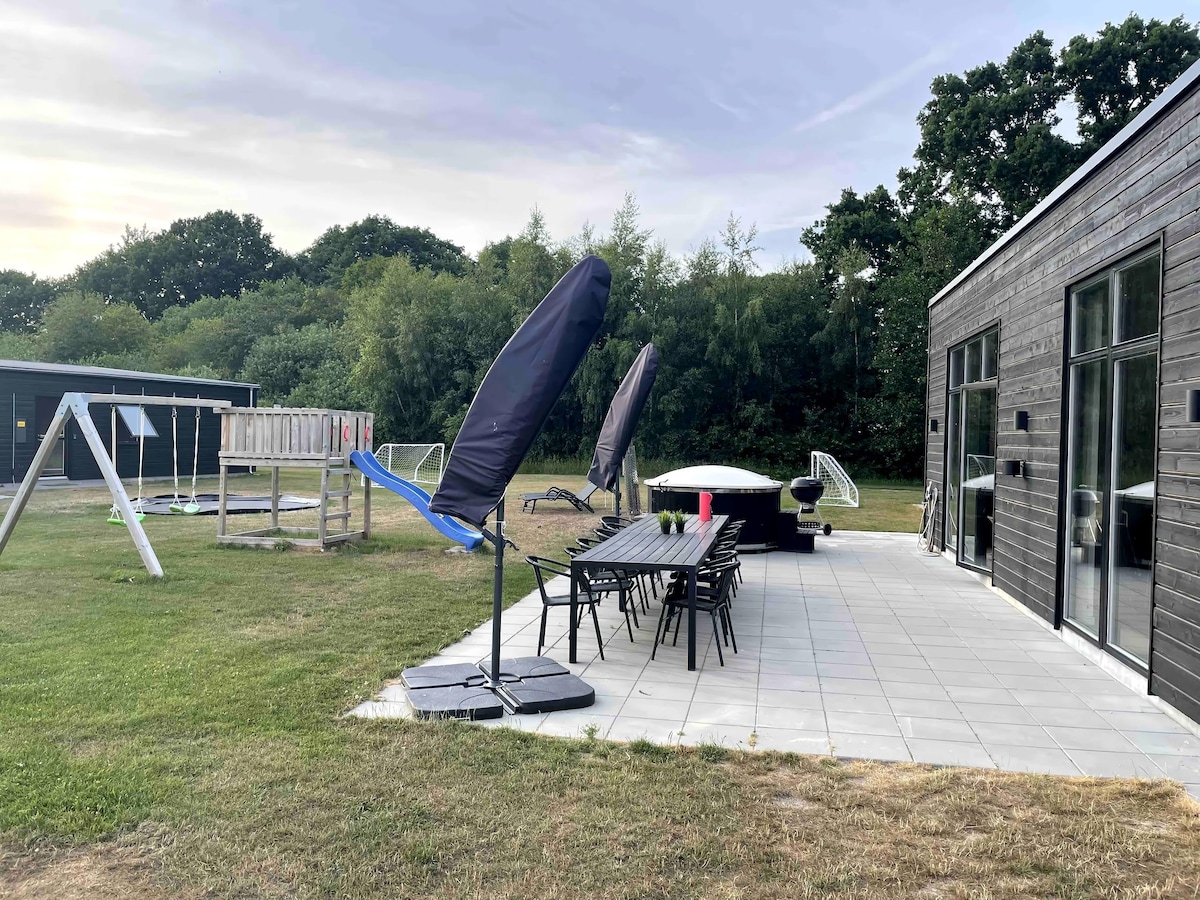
680 519
664 520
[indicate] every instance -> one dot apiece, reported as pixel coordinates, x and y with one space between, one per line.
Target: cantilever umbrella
621 422
508 411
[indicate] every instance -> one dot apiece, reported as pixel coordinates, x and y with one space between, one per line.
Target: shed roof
1127 135
19 365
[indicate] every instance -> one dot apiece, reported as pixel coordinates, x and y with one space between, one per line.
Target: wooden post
323 523
33 474
275 496
366 516
223 501
83 419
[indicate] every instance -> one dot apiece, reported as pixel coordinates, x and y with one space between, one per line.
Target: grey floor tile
897 661
1181 768
856 703
862 686
791 717
790 699
1013 735
721 713
861 723
1067 718
1055 699
1135 721
967 694
910 691
644 689
950 753
869 746
787 740
1160 742
907 675
731 737
1125 701
643 708
926 729
1100 739
928 709
1103 764
1001 713
1032 759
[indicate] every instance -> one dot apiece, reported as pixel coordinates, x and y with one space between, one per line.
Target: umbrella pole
497 596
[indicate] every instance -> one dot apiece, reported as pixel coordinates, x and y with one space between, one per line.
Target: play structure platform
297 438
370 467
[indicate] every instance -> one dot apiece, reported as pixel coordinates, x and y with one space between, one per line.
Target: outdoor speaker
933 424
1022 420
1014 467
1193 405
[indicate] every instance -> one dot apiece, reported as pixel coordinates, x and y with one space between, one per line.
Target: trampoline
237 504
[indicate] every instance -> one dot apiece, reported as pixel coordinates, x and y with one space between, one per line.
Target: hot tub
737 493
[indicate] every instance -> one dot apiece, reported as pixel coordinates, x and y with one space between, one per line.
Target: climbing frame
297 438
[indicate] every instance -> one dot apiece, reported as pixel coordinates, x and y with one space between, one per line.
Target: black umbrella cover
621 422
519 391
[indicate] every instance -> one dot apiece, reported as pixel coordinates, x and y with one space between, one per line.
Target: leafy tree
1116 74
214 255
988 134
870 222
22 299
79 327
339 248
279 363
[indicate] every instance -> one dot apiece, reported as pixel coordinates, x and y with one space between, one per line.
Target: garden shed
31 392
1063 428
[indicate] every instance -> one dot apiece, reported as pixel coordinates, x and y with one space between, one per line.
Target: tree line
756 366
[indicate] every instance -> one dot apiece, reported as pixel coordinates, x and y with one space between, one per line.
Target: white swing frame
75 405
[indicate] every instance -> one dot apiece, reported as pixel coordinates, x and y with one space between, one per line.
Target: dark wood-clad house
31 391
1064 405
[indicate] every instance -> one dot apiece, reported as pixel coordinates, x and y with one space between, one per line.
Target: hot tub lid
714 478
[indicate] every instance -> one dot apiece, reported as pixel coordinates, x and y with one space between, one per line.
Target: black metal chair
608 582
544 569
713 600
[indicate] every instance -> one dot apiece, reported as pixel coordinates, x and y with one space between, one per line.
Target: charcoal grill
806 491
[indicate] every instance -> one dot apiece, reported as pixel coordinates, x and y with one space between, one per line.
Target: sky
462 116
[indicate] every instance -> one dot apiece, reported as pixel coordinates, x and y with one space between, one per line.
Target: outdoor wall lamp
1022 420
1015 467
1193 405
933 424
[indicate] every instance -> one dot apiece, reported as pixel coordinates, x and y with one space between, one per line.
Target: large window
971 449
1112 402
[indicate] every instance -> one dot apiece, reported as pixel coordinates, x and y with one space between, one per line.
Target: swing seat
192 509
177 506
115 518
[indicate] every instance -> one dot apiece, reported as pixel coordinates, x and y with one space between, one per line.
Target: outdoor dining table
642 547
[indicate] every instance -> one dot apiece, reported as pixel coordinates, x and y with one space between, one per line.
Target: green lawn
183 738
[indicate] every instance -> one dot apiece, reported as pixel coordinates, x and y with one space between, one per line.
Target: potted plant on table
680 520
664 521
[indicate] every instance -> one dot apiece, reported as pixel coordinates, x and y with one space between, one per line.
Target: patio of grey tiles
865 648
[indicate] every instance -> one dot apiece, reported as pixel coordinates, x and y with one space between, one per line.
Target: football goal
839 489
418 463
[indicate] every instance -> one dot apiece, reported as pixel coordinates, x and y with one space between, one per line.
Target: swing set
124 511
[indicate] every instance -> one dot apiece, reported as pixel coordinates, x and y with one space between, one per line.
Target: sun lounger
529 502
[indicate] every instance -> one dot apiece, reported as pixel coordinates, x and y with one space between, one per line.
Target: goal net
419 463
839 489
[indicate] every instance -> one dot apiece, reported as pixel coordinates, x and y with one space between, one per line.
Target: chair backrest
544 569
605 533
616 522
587 543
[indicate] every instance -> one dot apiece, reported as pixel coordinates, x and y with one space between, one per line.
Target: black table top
643 546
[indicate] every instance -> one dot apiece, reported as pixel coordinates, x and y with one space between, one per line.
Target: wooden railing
304 437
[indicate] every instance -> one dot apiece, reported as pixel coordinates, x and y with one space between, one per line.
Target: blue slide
369 466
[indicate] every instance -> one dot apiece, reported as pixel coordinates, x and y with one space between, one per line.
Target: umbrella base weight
529 684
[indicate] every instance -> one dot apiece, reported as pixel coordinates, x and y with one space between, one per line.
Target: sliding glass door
1112 404
971 450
